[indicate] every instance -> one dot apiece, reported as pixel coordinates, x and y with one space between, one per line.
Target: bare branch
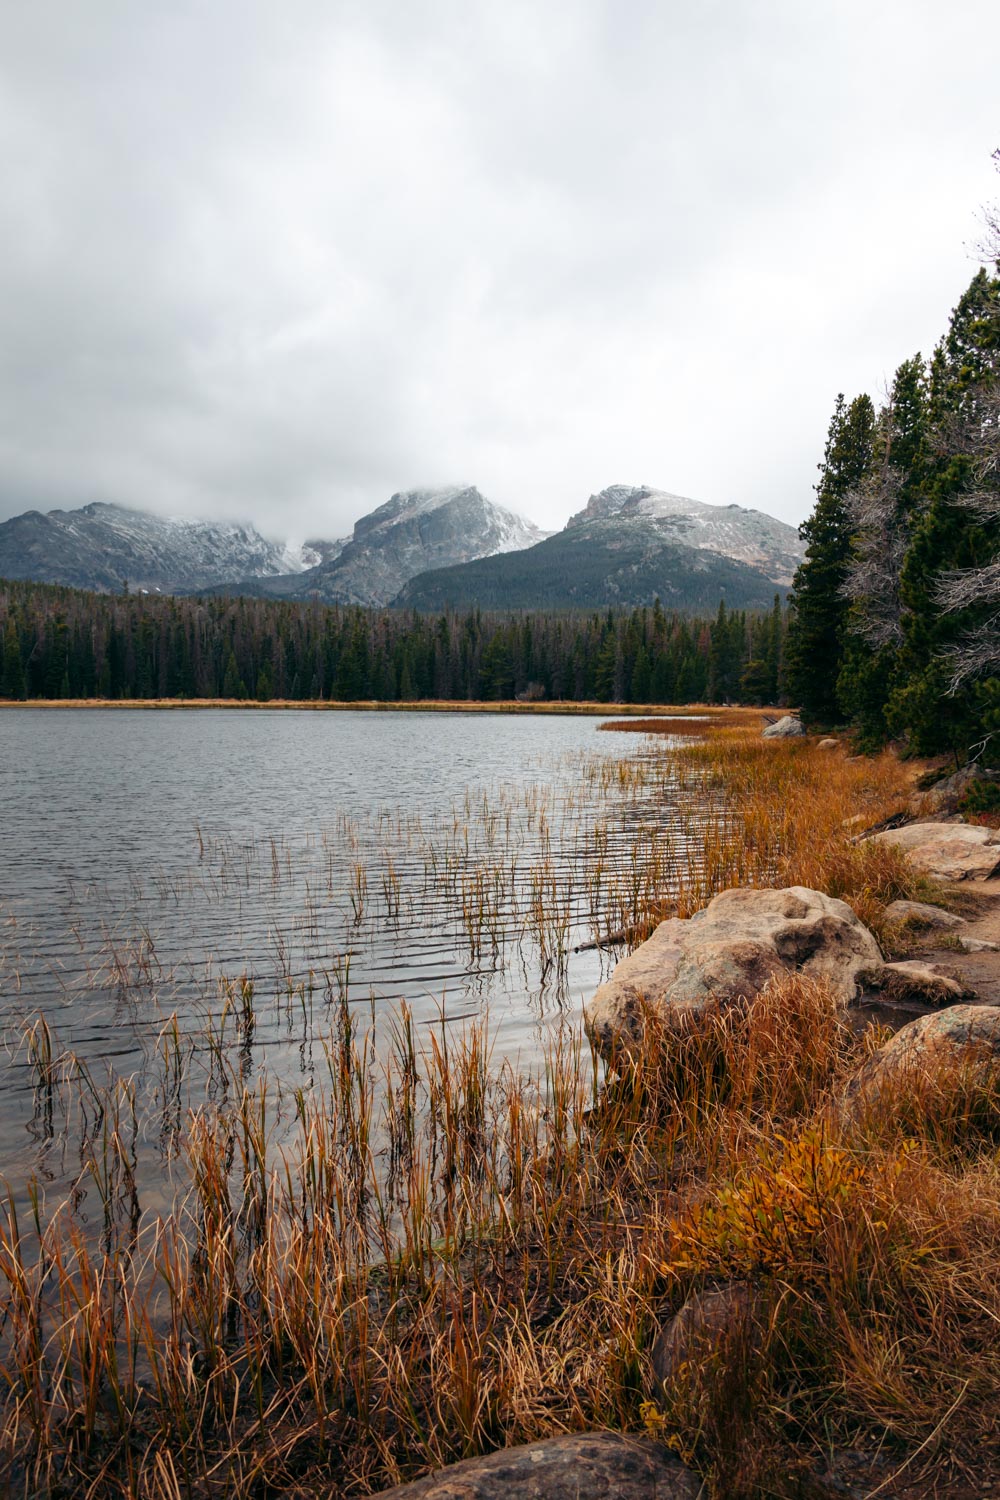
968 586
977 655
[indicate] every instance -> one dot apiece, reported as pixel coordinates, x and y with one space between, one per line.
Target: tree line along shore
67 644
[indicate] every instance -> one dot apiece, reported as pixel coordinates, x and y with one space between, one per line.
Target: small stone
918 981
920 914
977 945
716 1320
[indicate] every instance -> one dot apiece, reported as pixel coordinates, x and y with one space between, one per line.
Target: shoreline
370 705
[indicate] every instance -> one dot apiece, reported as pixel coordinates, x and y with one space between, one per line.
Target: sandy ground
981 971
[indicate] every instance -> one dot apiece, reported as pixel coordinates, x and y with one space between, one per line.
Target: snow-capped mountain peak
747 536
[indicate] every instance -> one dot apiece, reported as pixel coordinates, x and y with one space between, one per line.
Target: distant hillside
596 564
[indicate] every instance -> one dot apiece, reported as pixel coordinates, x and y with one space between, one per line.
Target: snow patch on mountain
416 530
747 536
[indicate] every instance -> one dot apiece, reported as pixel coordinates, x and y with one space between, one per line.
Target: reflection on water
181 889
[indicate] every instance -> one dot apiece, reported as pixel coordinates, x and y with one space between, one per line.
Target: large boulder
958 1047
578 1466
948 851
784 729
725 955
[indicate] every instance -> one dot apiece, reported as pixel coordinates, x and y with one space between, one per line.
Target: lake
250 876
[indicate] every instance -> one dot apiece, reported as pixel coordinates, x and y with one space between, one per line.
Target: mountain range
626 547
428 549
109 548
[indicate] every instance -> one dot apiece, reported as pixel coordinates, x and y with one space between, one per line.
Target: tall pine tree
930 706
815 648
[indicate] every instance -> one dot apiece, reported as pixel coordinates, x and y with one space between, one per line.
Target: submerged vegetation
432 1253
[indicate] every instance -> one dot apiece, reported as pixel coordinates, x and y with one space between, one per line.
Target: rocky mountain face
747 536
595 567
412 532
103 547
626 547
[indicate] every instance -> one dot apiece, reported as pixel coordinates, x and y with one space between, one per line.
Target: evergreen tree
819 608
13 684
935 708
884 509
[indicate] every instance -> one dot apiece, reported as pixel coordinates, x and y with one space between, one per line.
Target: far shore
430 705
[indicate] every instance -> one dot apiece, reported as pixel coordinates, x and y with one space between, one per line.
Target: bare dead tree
880 540
989 247
977 588
880 531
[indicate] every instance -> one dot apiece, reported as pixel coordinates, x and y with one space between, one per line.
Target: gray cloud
275 262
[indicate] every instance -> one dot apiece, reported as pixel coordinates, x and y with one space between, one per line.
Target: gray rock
719 1320
725 955
977 945
578 1466
948 851
786 728
919 914
967 1036
944 796
913 980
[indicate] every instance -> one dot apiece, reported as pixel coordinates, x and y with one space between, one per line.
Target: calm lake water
253 872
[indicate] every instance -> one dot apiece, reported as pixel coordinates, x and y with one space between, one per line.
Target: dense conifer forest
66 643
894 626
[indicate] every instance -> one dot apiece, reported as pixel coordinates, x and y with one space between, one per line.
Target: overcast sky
274 261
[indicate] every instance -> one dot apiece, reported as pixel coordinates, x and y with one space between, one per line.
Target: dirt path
979 904
981 971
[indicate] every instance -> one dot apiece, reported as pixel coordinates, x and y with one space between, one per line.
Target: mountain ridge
428 548
412 532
